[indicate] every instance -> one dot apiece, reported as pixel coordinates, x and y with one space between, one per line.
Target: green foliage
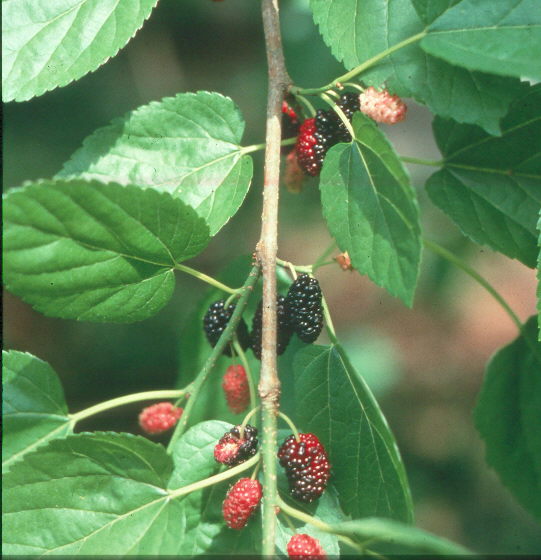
49 44
507 416
371 209
498 37
89 251
187 145
113 485
387 536
491 186
539 277
34 409
334 402
357 32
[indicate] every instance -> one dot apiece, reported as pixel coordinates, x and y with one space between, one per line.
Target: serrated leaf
334 403
508 417
371 209
387 536
501 37
96 252
47 44
96 494
34 409
358 31
491 186
187 145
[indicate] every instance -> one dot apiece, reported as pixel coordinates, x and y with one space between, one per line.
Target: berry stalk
224 339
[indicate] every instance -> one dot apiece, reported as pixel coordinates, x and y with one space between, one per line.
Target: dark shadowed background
425 365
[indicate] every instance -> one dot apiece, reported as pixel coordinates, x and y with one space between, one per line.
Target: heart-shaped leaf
96 252
491 186
187 145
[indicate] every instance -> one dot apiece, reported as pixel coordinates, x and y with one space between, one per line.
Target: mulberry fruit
305 547
309 162
215 321
307 466
232 450
241 502
236 389
159 417
303 302
317 135
382 106
285 329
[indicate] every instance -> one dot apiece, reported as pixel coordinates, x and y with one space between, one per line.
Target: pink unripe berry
382 106
236 390
159 417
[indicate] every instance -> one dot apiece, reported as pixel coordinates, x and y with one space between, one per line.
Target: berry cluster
159 417
318 134
307 466
240 502
303 303
285 329
215 322
236 389
232 449
305 547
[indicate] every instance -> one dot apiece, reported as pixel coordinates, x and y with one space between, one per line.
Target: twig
269 385
215 354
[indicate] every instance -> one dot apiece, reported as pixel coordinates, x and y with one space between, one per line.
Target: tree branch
269 384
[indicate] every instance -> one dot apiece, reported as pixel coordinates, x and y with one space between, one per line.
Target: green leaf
358 31
491 186
49 44
334 402
539 277
91 494
508 418
371 209
90 251
386 536
501 37
187 145
34 409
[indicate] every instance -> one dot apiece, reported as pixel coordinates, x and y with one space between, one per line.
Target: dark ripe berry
241 502
303 302
326 129
285 329
306 465
215 321
232 449
305 547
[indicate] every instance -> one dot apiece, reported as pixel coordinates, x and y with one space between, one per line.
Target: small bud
382 106
344 261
